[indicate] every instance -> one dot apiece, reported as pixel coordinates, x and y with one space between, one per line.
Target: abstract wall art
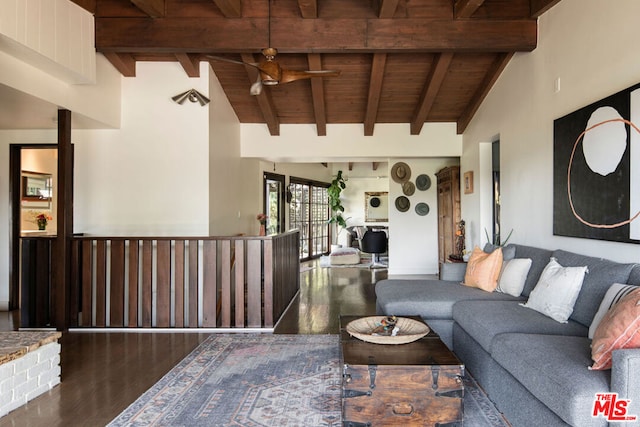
596 166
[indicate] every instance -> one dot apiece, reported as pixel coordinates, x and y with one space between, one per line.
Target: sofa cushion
513 276
490 318
619 328
554 369
539 260
602 274
430 299
483 269
615 293
557 291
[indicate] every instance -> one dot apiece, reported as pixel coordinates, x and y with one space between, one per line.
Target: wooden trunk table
414 384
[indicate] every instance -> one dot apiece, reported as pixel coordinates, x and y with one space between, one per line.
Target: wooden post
64 217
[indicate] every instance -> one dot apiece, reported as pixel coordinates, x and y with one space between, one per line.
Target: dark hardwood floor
102 373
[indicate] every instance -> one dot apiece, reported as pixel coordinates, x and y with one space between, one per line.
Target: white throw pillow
616 292
513 275
557 290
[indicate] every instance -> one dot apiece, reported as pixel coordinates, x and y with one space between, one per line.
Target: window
309 213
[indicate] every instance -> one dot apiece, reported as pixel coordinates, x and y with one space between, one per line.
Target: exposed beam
218 35
308 8
265 102
326 165
375 89
466 8
490 78
190 63
538 7
153 8
230 8
374 166
350 166
431 88
317 94
387 8
123 62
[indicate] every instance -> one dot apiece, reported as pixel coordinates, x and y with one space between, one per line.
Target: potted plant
335 204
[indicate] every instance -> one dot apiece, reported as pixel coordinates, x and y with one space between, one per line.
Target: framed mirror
376 206
36 187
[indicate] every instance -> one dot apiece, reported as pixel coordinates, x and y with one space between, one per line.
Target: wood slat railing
182 282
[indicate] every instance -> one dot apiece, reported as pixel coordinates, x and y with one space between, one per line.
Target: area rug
263 380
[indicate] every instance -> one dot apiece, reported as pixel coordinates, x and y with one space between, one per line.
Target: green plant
496 240
335 204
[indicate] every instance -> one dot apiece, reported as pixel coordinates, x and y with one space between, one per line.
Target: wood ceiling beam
308 8
153 8
230 8
375 90
123 62
290 35
265 102
538 7
190 63
387 8
430 91
490 78
466 8
317 94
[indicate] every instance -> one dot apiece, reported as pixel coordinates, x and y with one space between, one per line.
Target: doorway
495 173
273 199
33 171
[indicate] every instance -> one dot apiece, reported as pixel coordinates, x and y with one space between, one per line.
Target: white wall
151 176
592 47
346 142
413 239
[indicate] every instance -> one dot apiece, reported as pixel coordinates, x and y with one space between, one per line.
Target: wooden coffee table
414 384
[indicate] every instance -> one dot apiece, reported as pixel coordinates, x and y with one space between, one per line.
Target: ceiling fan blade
256 88
233 61
293 75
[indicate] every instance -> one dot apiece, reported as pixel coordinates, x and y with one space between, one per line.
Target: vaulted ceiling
401 61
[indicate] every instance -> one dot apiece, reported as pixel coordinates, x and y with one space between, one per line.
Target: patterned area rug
263 380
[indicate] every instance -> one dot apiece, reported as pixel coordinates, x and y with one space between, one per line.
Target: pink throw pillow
619 328
483 269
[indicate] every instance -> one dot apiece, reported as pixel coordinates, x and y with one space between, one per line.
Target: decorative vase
42 225
263 230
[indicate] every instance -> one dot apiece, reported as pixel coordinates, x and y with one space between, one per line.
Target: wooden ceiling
401 61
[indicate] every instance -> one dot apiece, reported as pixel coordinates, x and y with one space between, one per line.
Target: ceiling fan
271 73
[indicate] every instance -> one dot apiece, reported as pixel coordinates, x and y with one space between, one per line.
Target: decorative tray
378 329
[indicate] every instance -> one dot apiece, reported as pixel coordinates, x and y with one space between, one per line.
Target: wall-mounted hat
402 204
422 209
408 188
423 182
401 172
374 202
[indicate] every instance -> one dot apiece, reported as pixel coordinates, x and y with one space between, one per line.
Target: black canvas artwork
594 169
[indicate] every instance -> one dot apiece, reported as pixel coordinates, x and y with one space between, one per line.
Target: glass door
274 202
309 213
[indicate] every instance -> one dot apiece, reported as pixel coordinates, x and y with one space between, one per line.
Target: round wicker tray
410 330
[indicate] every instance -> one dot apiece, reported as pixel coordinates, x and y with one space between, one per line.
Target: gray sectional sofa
532 367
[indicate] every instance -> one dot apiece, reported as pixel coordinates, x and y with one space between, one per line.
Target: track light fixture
192 95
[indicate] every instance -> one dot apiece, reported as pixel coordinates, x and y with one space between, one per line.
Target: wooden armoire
448 210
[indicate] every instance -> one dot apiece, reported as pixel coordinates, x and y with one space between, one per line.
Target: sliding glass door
309 213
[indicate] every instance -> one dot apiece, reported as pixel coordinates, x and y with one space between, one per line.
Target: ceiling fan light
269 82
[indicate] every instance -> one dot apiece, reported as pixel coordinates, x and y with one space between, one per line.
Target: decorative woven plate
410 330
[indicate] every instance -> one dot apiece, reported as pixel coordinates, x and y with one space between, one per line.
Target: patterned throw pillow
619 328
483 269
615 293
557 290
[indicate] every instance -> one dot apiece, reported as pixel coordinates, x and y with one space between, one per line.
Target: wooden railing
182 282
